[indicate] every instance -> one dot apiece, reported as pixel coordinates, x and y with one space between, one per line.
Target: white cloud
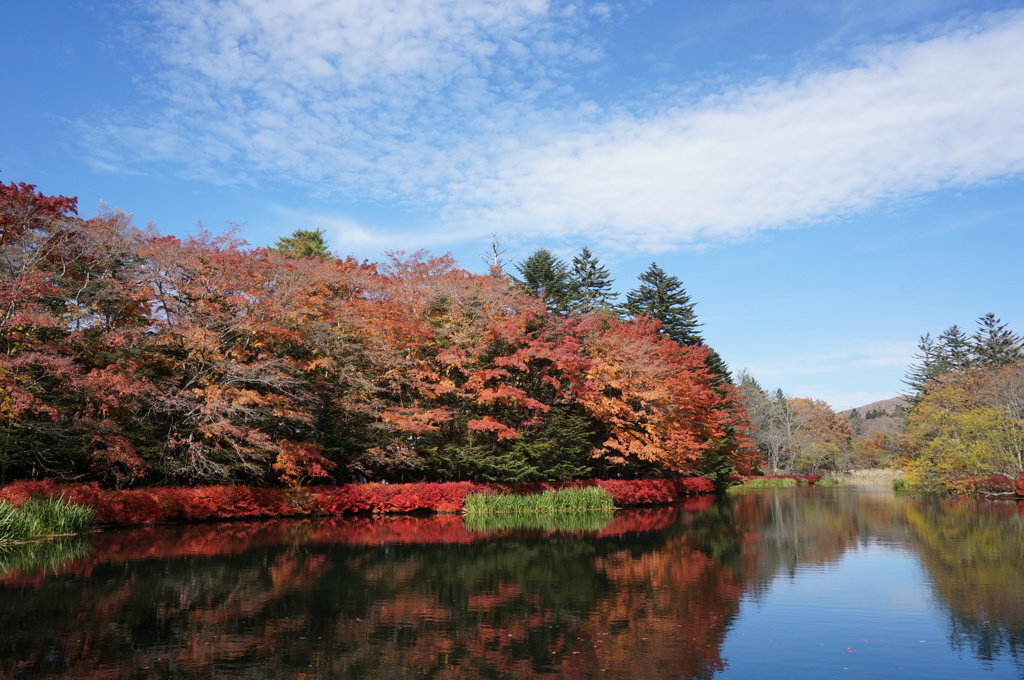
909 117
348 236
364 97
466 108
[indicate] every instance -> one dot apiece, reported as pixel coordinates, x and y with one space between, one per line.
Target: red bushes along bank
189 504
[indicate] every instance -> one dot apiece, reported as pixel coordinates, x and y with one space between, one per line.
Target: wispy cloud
467 108
365 97
909 117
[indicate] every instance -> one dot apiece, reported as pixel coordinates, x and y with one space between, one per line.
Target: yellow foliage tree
969 425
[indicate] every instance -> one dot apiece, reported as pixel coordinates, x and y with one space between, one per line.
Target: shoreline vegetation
163 505
41 517
578 499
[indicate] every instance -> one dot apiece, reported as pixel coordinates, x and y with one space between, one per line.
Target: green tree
303 243
954 349
992 345
663 297
590 283
936 357
546 277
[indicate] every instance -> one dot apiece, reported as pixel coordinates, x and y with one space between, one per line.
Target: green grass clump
828 481
588 522
40 517
768 483
577 499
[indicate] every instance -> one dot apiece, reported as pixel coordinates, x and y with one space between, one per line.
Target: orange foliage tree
132 357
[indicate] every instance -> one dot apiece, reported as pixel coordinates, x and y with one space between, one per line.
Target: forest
958 426
130 357
133 358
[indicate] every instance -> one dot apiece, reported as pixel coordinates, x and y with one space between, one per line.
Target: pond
804 583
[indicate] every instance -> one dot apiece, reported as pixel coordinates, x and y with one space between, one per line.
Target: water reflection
974 552
650 593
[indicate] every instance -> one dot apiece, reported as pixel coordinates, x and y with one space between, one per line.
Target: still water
793 583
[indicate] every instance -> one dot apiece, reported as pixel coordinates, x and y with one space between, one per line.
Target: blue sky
829 179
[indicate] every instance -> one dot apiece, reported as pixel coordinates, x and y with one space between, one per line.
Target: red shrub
986 484
652 491
170 504
18 492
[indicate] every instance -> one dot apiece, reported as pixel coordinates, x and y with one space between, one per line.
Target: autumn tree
657 400
970 423
822 438
72 316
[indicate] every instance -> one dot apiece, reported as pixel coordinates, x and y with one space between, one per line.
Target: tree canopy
130 357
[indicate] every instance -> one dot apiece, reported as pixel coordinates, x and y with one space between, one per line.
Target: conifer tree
992 345
303 243
663 297
925 368
954 349
951 351
590 282
546 277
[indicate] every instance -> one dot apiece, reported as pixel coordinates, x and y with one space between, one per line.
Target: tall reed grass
879 477
560 500
39 517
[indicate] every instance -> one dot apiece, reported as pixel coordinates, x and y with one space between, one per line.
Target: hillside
887 406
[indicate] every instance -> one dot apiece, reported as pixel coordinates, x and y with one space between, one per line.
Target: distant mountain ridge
884 405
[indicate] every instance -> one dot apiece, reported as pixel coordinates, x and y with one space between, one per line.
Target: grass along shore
40 517
879 477
579 499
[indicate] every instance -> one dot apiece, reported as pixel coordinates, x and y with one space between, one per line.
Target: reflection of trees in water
617 605
973 552
652 594
793 528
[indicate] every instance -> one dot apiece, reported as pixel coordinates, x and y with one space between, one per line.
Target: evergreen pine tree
954 349
992 345
924 369
951 351
546 277
663 297
590 283
303 243
718 368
